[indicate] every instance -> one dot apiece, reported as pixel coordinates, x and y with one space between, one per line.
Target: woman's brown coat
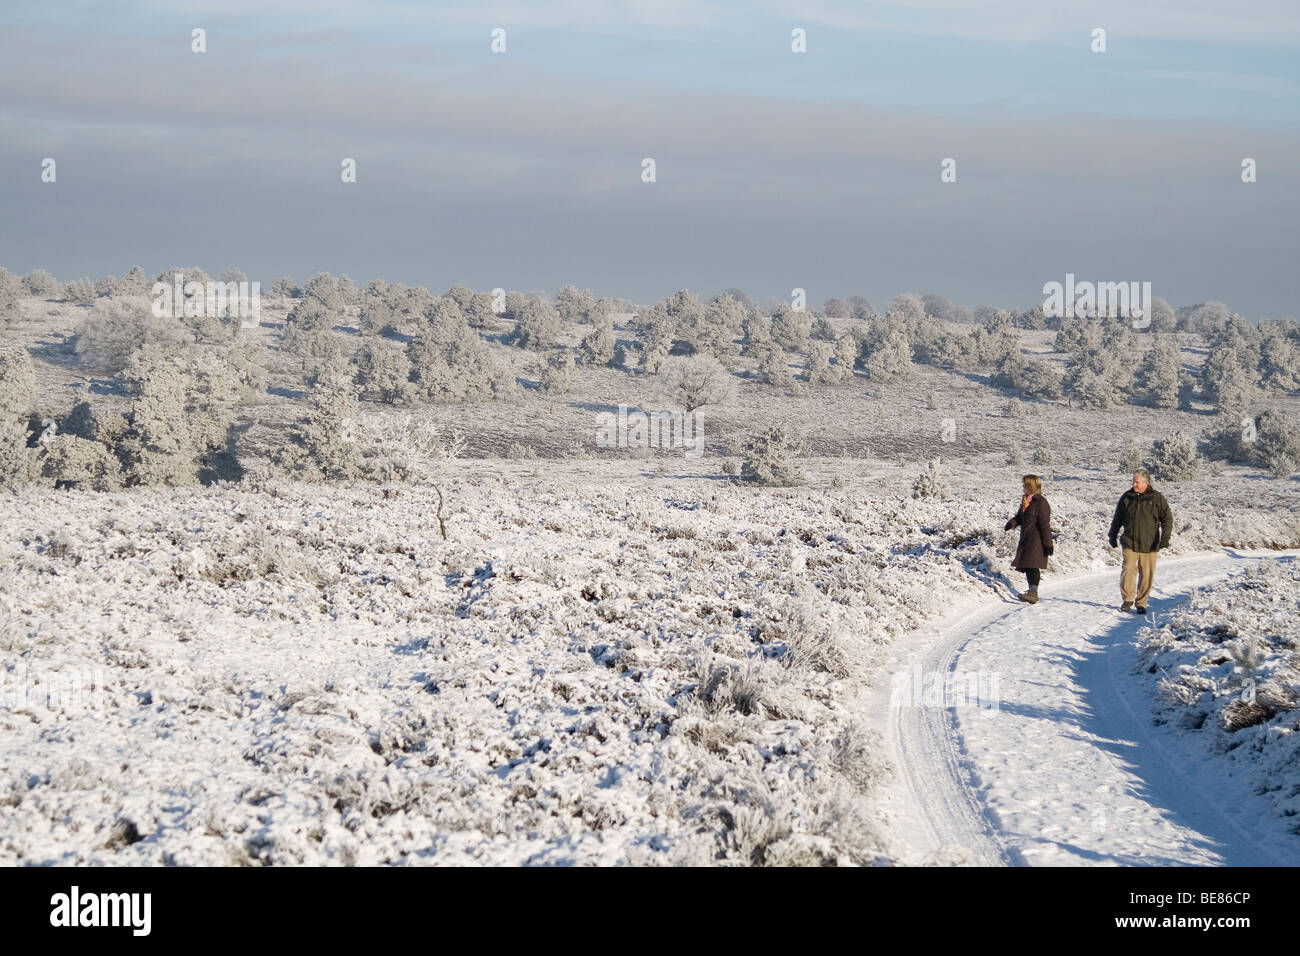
1035 523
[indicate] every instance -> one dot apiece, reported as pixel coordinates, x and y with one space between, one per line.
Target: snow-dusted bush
573 304
931 482
771 458
133 282
1158 375
846 354
284 288
694 381
791 329
449 363
1229 381
320 306
72 462
1279 354
756 330
1130 459
597 346
17 383
182 409
555 373
80 292
818 370
115 328
892 360
1175 458
42 285
1033 377
324 445
537 325
476 307
1276 445
773 369
16 459
823 330
382 369
11 290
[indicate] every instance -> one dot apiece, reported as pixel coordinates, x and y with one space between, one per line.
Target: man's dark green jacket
1146 519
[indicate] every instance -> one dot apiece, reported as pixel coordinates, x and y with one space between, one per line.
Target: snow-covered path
1044 753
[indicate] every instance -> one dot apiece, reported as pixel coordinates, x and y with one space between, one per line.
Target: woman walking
1034 518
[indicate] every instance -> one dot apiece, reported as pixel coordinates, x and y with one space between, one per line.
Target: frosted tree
1162 316
538 326
555 374
1277 444
1175 458
771 458
80 292
1157 376
449 363
320 306
597 346
936 306
1279 361
696 381
860 308
284 288
326 444
931 483
115 328
655 329
791 329
1227 382
11 291
72 462
382 369
757 331
846 354
573 304
818 370
773 369
891 361
17 383
134 282
835 309
42 285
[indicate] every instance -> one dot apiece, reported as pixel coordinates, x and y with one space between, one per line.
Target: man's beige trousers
1139 571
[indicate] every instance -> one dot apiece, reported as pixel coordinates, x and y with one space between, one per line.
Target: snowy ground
598 666
1051 748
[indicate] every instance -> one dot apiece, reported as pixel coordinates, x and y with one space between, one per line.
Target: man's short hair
1143 474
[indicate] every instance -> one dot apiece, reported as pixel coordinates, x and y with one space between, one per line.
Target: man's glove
1112 542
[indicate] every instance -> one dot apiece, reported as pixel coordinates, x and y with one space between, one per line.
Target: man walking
1147 523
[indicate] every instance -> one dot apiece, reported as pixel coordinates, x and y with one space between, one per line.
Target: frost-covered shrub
72 462
1229 382
1130 460
931 482
1277 444
572 304
284 288
181 414
1014 456
774 369
791 329
823 330
133 282
757 338
476 307
1175 458
16 459
449 363
597 346
846 354
1279 354
1158 375
555 374
891 361
818 370
41 284
115 328
11 290
17 383
1033 377
320 307
80 292
771 459
324 446
1013 408
694 381
382 369
537 326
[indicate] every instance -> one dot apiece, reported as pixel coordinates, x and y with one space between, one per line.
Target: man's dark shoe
1126 605
1140 609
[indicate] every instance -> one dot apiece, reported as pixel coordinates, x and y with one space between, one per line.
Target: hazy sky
775 170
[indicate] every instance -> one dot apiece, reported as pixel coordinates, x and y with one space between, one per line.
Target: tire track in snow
1066 768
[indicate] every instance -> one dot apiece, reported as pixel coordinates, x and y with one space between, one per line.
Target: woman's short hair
1033 483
